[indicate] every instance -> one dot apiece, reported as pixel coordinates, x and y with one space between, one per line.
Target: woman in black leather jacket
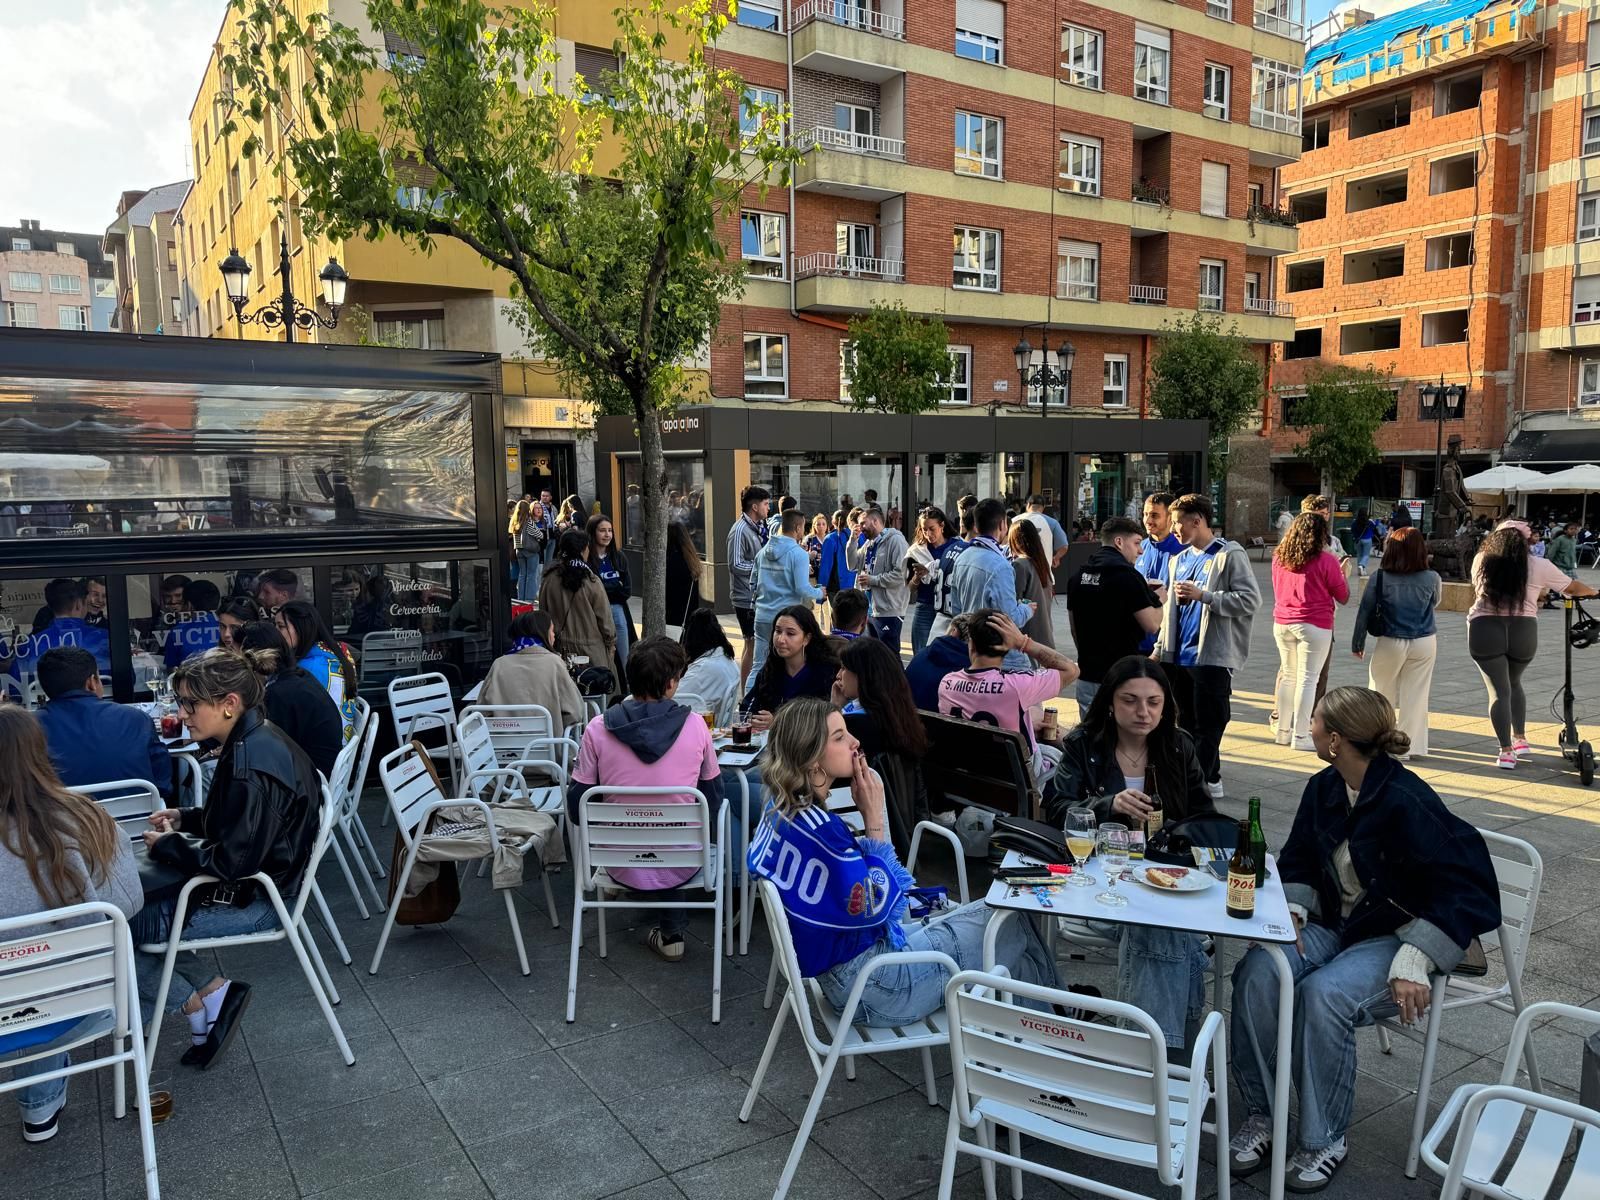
260 816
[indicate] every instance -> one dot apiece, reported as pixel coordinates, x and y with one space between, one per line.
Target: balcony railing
1263 215
1145 293
850 16
1269 308
1278 122
825 137
1148 193
849 266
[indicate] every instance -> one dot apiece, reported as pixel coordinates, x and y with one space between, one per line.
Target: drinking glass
1115 840
1080 831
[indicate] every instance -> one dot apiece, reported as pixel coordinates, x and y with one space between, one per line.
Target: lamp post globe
236 277
335 279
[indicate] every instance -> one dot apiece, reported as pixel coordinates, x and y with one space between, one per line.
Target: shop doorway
548 466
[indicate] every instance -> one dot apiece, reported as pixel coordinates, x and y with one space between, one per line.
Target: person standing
1404 593
880 567
782 580
983 576
833 571
1563 549
745 540
933 560
685 569
1160 544
1212 596
1365 533
1306 584
1051 536
527 539
1111 606
1036 583
610 566
577 604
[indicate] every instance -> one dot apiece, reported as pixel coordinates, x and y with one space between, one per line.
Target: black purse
1377 620
1035 839
1174 844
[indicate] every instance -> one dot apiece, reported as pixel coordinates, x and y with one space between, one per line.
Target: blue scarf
527 643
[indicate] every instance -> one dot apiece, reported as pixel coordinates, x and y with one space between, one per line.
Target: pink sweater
1307 596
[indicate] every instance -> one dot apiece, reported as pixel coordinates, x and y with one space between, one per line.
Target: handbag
437 902
1032 838
1377 621
1174 843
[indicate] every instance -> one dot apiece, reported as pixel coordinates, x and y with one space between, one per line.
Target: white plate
1196 880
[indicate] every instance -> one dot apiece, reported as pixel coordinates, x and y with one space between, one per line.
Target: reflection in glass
822 482
400 618
686 499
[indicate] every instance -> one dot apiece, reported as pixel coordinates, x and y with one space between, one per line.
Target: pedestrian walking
1306 584
1397 610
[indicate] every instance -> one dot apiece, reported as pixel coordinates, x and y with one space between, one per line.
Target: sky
104 89
97 102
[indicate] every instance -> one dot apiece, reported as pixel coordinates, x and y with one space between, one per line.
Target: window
1589 216
172 256
1214 189
1444 328
761 242
1303 276
1078 270
105 289
1274 95
766 366
1589 383
1254 196
853 118
1449 250
67 248
66 285
1222 10
1309 206
981 30
761 14
846 361
978 145
21 245
1252 290
177 308
1586 299
960 375
1380 117
1114 381
205 138
22 316
1452 174
26 281
1080 164
409 331
1291 410
1217 84
599 70
1460 94
1314 134
1213 275
72 316
1152 63
1082 53
1367 265
977 259
234 188
854 243
1370 336
1307 344
750 108
1376 191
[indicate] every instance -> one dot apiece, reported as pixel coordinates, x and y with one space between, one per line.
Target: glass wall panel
400 618
28 627
942 479
686 500
822 482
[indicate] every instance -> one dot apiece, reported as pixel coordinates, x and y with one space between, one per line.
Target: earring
227 714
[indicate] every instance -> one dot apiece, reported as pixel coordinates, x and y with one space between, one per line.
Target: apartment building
1440 197
50 279
143 245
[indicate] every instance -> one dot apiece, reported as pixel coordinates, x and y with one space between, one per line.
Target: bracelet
1027 645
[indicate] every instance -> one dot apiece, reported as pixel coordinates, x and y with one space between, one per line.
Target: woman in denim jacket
1405 593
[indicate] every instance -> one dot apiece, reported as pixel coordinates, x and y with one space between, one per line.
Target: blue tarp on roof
1355 45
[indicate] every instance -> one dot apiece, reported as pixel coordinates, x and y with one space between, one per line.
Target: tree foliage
1342 411
898 363
600 198
1201 372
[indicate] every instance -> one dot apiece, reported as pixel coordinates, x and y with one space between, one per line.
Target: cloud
99 102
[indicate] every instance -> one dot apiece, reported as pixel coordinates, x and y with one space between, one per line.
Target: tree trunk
653 512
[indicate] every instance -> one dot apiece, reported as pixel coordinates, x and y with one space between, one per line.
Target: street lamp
1440 403
1045 377
285 311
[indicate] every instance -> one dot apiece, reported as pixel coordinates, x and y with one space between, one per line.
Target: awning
1563 447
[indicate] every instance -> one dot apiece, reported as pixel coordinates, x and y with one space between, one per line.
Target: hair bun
1395 742
265 661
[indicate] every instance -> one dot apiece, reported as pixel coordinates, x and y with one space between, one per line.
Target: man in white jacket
880 567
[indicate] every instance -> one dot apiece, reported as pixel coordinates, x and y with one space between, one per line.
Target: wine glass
1115 842
1080 831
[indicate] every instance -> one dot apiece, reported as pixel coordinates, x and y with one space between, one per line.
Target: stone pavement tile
692 1121
790 1080
288 1020
605 1002
412 950
754 1172
459 1040
1559 1054
340 1146
1403 1067
85 1187
75 1152
742 1033
1581 969
491 1101
681 986
247 1164
895 1148
317 1078
451 1175
407 999
656 1189
637 1059
581 1160
206 1105
1556 836
489 939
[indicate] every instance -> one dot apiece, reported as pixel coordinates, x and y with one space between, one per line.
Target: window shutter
1149 35
1586 290
592 64
1214 189
1068 249
987 17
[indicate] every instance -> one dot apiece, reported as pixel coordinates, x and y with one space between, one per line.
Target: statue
1453 501
1451 549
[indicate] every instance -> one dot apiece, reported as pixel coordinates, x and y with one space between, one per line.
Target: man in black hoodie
650 740
1111 606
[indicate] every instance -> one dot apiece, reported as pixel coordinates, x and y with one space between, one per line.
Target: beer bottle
1258 841
1155 819
1242 877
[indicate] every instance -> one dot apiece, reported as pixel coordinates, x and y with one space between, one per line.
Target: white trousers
1401 669
1302 649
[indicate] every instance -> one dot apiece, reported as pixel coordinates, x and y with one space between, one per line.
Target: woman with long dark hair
295 702
233 616
1035 582
1503 627
713 671
576 601
800 663
322 654
685 569
610 565
1307 582
871 689
531 672
931 552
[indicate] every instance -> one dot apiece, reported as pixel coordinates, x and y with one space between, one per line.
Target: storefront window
686 500
1115 484
174 616
402 618
823 482
25 627
942 479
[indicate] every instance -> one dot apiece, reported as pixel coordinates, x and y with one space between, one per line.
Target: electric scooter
1581 634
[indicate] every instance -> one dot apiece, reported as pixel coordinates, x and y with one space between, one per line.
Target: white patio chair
1104 1092
1489 1157
413 796
292 928
632 827
355 830
420 702
388 654
343 838
844 1038
191 781
521 730
72 972
129 801
1520 871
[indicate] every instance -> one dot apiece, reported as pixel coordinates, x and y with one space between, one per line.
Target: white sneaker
1305 744
43 1131
1507 761
1313 1170
1251 1145
669 949
1216 790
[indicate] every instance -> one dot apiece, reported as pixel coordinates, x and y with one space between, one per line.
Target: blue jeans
619 621
1084 692
908 993
889 631
1363 552
1335 992
921 626
38 1101
763 648
152 925
529 570
1163 971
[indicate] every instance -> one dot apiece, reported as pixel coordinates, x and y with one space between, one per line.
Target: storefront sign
514 463
680 425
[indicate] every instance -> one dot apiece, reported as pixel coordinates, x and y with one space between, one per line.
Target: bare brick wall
815 95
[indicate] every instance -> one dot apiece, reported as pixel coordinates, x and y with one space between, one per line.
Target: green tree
898 363
618 272
1342 411
1201 372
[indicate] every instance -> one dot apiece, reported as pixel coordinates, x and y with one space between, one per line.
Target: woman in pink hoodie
1307 581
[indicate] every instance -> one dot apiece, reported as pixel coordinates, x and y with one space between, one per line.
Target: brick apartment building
1438 196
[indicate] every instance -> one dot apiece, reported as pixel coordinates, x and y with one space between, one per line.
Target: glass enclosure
942 479
686 496
1115 484
823 482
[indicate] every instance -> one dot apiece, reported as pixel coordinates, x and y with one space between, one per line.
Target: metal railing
850 16
1148 193
1269 308
1278 122
825 137
1264 215
1146 293
849 266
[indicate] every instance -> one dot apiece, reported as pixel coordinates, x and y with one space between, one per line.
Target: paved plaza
468 1082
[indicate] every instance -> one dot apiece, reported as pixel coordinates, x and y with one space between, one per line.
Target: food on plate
1166 877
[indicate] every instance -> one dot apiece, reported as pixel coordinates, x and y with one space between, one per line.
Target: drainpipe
1144 377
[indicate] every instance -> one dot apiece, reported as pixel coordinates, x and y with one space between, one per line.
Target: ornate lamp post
285 311
1440 403
1045 376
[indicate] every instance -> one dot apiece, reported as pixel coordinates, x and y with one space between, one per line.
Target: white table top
729 755
1195 912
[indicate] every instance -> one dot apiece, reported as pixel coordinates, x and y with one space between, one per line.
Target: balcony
841 37
1268 308
1148 193
1261 214
1275 122
825 137
842 162
1277 19
1145 293
849 266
